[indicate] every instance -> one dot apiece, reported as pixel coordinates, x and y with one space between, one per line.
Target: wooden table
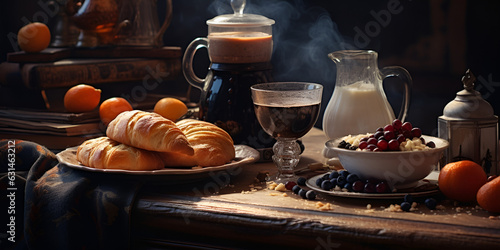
218 213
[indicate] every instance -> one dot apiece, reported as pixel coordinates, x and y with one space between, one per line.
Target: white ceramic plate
311 183
244 155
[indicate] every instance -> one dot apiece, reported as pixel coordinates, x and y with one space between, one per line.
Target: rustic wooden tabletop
238 212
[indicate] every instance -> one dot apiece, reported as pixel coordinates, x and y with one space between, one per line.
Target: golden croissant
212 145
148 131
105 153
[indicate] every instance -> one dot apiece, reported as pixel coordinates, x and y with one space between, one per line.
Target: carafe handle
187 62
168 19
402 74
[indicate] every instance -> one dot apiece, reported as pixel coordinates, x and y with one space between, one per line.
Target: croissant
148 131
212 145
105 153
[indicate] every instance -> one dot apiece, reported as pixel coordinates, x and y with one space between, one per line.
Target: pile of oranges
35 37
466 181
85 98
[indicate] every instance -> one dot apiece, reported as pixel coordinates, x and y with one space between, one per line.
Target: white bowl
400 169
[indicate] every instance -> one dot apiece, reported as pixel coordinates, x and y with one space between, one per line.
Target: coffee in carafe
239 47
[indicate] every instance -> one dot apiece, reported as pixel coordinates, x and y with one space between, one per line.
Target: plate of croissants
145 143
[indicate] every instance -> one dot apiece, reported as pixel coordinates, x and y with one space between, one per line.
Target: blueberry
341 181
319 181
344 173
326 177
334 174
334 182
326 185
310 195
408 198
302 193
405 206
351 178
431 203
296 189
348 186
301 181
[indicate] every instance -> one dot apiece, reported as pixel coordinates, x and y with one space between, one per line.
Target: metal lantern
470 126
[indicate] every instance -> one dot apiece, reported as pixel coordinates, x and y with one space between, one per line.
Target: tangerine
82 98
33 37
461 180
112 107
488 196
170 108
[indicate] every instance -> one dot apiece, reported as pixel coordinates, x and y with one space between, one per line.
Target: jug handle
166 23
404 75
187 62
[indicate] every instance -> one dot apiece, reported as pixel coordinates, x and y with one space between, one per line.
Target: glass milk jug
358 104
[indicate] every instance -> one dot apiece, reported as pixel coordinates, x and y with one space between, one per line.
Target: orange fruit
33 37
170 108
461 180
112 107
488 196
82 98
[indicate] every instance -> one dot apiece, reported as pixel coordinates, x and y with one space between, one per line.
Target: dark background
436 41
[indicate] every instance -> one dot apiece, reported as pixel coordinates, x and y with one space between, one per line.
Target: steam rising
303 37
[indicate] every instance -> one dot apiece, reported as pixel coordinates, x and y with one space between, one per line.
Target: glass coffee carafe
240 48
359 104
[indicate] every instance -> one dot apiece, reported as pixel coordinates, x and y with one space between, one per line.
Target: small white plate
311 183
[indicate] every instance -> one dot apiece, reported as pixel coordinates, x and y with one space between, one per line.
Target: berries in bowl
398 153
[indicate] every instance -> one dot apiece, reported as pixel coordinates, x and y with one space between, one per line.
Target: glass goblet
286 111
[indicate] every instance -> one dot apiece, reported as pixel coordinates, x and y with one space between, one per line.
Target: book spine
52 76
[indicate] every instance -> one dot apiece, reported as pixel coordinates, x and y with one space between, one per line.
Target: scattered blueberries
431 203
310 195
408 198
301 181
305 194
405 206
302 193
351 182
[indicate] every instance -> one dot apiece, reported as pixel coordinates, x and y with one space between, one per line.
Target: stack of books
56 131
119 70
56 68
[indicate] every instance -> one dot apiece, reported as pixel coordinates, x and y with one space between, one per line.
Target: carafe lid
239 19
